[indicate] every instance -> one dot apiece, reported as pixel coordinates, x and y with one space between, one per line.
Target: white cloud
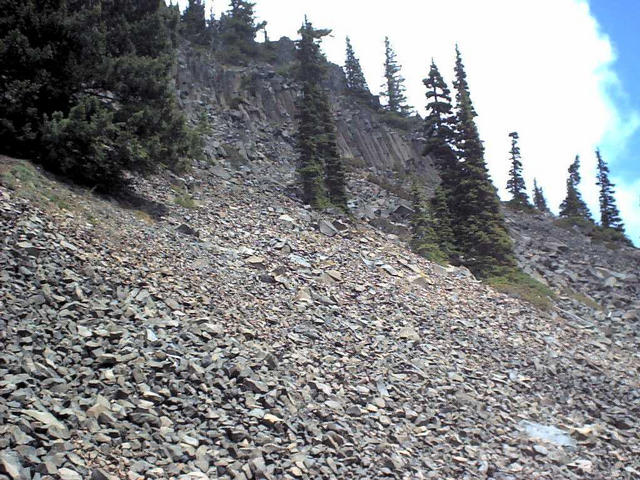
542 68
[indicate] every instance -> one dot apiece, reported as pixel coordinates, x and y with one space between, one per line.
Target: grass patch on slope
23 177
520 285
609 237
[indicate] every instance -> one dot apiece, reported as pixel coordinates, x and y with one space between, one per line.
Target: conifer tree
609 214
334 175
424 239
480 229
538 198
442 223
194 23
573 206
356 82
393 88
320 166
237 30
90 87
440 128
461 85
515 184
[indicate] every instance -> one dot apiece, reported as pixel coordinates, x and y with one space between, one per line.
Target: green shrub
390 186
520 285
582 298
611 238
185 201
580 222
520 207
87 147
234 157
286 70
431 252
235 103
396 120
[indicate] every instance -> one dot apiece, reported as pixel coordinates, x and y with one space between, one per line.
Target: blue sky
563 73
620 20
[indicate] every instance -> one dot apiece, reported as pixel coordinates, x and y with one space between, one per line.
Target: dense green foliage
356 82
439 130
425 238
480 229
236 32
538 198
520 285
515 183
393 87
573 205
86 87
432 233
609 214
194 26
320 166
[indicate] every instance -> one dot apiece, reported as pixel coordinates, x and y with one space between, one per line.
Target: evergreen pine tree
194 24
393 88
538 198
461 85
573 206
442 223
515 184
424 239
356 82
334 178
37 51
237 30
609 214
440 127
90 87
320 167
479 225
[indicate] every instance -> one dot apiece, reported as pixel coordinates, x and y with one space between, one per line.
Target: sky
562 73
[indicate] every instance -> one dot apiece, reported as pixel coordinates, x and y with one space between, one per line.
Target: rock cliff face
258 101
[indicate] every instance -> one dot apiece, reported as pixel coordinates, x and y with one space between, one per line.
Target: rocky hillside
597 280
219 329
249 116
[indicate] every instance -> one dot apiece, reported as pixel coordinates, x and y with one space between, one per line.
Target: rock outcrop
253 108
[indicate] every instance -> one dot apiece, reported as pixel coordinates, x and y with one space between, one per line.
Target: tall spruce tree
461 85
609 214
442 220
439 128
478 223
424 239
194 24
515 184
393 87
320 166
356 82
334 174
573 206
538 198
236 33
